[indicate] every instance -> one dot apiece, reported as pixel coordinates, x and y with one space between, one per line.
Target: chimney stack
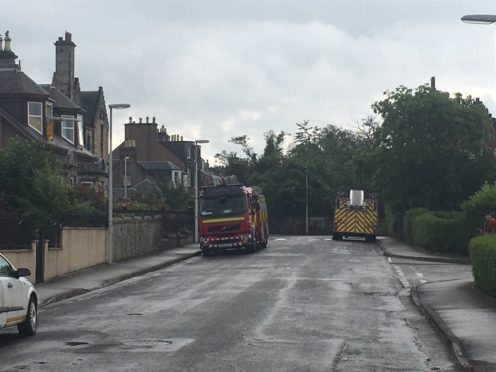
1 43
141 120
8 40
147 121
433 83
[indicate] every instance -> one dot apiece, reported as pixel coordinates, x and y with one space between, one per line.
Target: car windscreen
223 206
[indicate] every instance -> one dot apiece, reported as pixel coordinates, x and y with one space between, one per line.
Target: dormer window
67 128
35 116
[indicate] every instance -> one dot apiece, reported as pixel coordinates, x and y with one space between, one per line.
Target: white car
18 299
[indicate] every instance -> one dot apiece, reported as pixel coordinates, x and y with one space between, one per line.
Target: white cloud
219 69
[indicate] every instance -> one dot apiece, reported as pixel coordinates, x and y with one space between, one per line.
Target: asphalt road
302 304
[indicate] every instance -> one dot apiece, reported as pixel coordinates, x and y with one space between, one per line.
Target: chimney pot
68 36
154 120
141 120
1 43
130 119
147 120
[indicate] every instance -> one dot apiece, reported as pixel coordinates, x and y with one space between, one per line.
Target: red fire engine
232 217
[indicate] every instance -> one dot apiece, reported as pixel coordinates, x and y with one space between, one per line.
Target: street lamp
196 186
306 200
125 177
481 19
110 246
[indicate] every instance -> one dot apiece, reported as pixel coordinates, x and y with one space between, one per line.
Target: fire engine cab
232 217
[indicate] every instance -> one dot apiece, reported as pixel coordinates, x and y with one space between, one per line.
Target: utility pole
306 200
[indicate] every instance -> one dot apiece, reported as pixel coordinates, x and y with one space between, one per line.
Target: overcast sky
215 69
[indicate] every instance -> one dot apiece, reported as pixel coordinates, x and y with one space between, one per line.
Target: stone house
142 163
37 112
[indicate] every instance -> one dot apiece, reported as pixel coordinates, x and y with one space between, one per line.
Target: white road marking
402 278
281 239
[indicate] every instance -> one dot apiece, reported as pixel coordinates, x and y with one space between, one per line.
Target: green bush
407 223
440 232
483 256
393 219
478 205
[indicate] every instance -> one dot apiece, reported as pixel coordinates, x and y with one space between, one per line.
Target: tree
431 150
31 180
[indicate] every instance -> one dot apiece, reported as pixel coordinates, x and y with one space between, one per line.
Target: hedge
438 232
393 219
483 256
407 223
478 205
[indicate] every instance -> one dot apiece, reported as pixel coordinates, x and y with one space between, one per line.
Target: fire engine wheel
205 252
252 246
337 237
263 244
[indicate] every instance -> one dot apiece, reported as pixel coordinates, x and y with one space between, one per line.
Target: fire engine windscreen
223 206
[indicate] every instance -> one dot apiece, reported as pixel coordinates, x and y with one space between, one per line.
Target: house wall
136 236
81 247
23 258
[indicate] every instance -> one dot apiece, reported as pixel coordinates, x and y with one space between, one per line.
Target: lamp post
306 200
196 186
125 177
110 246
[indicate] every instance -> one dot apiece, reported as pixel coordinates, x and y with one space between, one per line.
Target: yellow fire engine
355 216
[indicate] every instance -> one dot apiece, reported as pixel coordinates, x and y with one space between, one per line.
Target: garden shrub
478 205
407 222
440 232
483 256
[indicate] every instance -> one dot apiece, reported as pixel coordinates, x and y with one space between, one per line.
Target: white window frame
40 116
65 125
80 129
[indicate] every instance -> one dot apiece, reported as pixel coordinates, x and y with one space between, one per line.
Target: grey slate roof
60 99
158 165
13 81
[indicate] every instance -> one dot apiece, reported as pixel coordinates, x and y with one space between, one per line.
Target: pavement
100 276
464 316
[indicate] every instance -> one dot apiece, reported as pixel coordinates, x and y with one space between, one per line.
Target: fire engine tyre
252 246
28 327
263 245
337 237
205 252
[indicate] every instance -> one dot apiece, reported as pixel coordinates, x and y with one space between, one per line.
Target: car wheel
28 328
